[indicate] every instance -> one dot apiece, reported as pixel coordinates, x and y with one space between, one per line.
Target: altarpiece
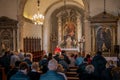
69 29
104 33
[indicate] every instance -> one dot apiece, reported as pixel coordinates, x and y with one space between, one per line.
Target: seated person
22 73
34 74
13 70
61 71
28 59
44 64
52 74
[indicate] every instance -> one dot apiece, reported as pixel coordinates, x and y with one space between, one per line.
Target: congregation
20 66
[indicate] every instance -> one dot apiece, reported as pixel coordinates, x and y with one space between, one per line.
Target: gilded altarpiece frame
69 28
104 33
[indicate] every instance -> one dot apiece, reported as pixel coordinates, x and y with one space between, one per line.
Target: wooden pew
2 70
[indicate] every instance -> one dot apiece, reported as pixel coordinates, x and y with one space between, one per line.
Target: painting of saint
103 39
69 34
69 30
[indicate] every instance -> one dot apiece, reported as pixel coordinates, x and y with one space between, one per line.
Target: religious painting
103 39
104 33
69 28
69 33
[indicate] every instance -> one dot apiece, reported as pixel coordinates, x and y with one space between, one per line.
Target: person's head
21 50
63 51
24 67
88 56
50 54
15 53
35 66
17 63
85 61
45 56
60 68
72 55
83 54
52 64
89 68
99 52
111 63
119 56
28 56
61 56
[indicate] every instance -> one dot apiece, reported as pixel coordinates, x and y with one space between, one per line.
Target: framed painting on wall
104 33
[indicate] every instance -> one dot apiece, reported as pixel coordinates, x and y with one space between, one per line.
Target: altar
69 51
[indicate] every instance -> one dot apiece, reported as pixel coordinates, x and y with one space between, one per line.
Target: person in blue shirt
22 73
52 74
79 60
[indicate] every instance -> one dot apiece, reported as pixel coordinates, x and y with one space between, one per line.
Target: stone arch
48 13
47 24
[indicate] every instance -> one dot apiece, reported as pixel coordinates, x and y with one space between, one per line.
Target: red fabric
89 60
57 50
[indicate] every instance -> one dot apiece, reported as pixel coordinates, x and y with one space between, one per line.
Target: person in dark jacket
13 70
81 69
88 73
44 64
65 57
99 63
34 74
22 73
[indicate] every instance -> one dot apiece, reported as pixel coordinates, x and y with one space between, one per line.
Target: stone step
72 78
71 74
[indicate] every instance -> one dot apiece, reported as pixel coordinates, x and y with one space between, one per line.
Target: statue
68 42
82 41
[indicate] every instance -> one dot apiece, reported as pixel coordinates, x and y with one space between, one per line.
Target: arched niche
48 15
51 23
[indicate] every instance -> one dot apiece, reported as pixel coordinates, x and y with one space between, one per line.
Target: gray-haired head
53 64
89 68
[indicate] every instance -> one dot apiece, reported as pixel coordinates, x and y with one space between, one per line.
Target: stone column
20 35
87 34
18 38
14 41
79 28
118 31
46 36
59 30
118 37
93 39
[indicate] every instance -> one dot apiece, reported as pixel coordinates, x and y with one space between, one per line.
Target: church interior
85 17
42 27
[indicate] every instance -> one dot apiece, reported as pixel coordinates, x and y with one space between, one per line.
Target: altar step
72 74
72 78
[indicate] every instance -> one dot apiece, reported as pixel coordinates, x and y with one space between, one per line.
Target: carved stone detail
8 33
